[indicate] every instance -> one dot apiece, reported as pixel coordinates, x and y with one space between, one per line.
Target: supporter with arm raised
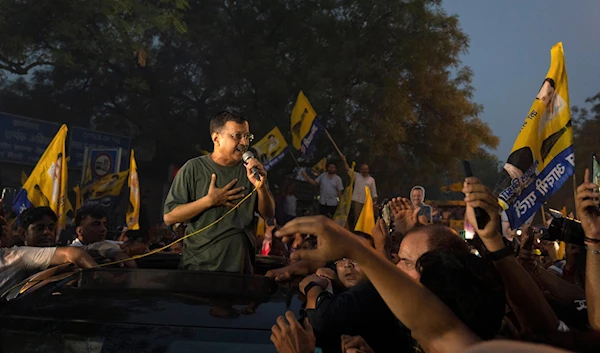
526 299
589 214
431 323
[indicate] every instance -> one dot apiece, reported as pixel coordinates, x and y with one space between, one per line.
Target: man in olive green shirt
206 187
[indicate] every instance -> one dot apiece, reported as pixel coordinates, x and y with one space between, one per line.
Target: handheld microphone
248 156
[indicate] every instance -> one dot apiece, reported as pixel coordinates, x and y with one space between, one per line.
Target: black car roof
158 297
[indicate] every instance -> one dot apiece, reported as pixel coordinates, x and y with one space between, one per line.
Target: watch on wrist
310 286
500 254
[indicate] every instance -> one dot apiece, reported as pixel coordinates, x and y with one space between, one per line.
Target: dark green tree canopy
384 76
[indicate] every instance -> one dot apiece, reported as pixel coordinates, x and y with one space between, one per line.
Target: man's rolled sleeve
180 191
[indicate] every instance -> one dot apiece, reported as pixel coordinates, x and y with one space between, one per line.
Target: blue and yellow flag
305 128
271 149
133 212
47 184
542 157
341 213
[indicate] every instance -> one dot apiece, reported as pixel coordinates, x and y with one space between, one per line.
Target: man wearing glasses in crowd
207 187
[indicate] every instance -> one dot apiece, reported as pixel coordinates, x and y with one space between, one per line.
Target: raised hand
225 195
586 203
251 163
381 237
333 241
478 195
291 337
405 214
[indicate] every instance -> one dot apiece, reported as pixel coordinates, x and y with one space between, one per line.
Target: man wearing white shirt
38 229
330 190
361 180
18 263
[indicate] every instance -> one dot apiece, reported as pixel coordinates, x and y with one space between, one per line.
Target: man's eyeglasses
343 262
238 136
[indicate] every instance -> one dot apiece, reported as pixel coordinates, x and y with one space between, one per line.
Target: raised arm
374 192
405 215
298 268
348 170
587 203
431 322
527 300
266 202
309 179
559 288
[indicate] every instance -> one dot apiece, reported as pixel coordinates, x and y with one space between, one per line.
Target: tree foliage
384 76
586 130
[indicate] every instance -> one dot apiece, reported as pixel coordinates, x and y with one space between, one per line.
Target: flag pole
294 158
334 144
574 194
544 214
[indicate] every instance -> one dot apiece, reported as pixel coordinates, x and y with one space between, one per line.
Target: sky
509 52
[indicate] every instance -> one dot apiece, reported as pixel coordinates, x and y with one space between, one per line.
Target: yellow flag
68 206
77 199
47 184
271 148
133 213
302 119
366 220
542 158
341 213
456 187
320 167
108 185
261 227
37 198
87 170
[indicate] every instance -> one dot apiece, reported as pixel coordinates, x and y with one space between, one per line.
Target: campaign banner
110 185
309 142
104 192
542 158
